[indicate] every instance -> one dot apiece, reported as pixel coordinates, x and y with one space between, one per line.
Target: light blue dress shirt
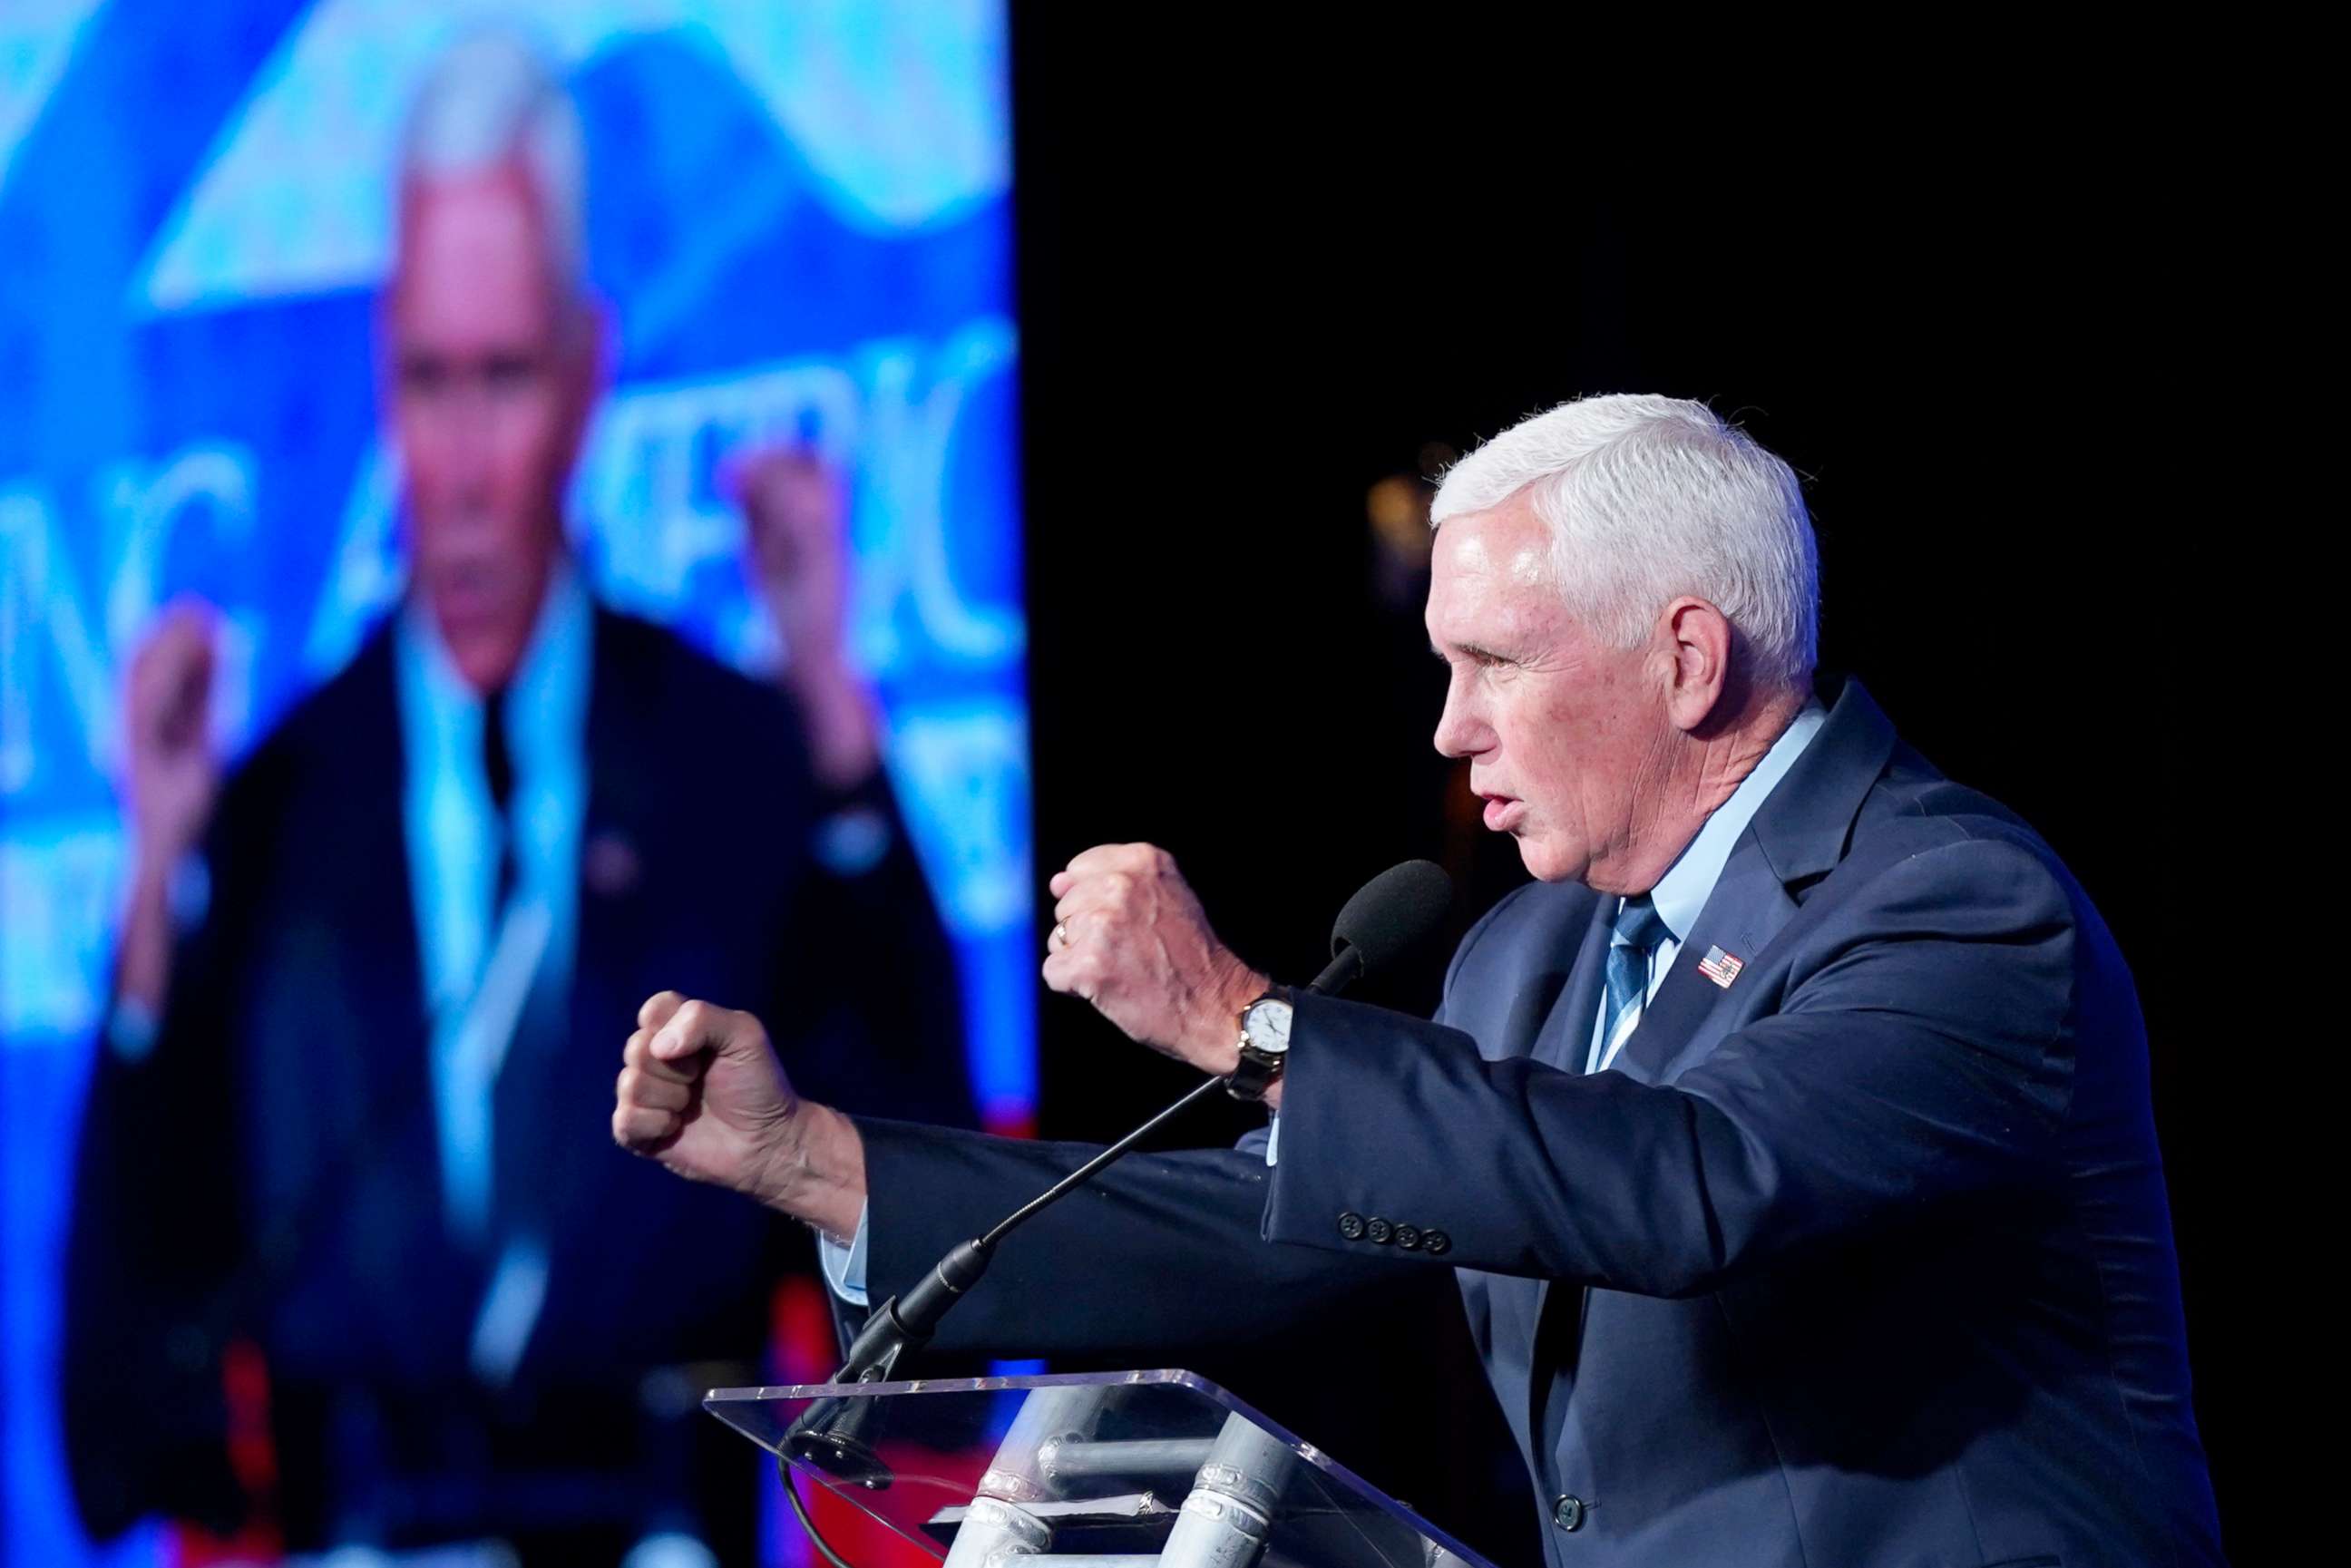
480 971
1680 896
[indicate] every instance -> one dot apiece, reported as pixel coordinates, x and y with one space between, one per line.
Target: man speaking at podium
1789 1137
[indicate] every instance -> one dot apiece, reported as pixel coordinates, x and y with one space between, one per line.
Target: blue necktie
1639 929
498 772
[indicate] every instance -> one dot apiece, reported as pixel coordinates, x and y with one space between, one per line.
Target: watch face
1267 1024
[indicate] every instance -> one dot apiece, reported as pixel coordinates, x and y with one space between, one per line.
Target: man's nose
1460 732
464 443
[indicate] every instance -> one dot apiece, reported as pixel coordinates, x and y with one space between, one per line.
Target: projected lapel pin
1720 967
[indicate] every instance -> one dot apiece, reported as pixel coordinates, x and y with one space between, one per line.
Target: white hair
496 97
1649 498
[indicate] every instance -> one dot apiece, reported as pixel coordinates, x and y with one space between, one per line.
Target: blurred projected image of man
340 1264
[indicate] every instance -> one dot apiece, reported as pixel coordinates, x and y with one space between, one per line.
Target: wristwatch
1264 1045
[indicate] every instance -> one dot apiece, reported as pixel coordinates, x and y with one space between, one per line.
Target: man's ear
587 339
1699 637
384 345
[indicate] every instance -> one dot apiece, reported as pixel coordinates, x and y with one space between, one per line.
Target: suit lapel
370 887
1800 833
371 1221
1744 911
608 935
1565 1038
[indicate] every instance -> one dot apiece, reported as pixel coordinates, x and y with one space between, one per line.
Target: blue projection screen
798 216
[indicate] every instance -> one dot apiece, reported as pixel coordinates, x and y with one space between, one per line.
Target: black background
1260 272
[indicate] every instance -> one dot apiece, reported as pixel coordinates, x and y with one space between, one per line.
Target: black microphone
1389 915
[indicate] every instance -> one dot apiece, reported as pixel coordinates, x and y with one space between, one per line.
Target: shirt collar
1681 894
547 701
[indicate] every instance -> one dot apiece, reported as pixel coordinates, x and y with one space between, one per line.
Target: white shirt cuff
844 1267
1272 1140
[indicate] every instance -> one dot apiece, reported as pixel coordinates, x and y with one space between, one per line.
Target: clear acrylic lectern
1113 1470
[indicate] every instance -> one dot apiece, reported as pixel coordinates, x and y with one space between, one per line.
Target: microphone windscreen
1397 909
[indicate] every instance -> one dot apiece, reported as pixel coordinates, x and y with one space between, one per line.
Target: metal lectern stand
1114 1470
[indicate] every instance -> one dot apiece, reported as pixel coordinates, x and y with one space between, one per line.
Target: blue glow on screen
800 217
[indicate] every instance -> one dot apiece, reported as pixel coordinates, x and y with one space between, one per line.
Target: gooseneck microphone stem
1339 973
1400 906
906 1323
1086 1172
1395 909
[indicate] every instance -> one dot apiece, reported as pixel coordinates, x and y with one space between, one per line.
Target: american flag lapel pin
1720 967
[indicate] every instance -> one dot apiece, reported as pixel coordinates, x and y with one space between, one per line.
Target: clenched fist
797 519
701 1090
793 512
173 775
1130 938
172 779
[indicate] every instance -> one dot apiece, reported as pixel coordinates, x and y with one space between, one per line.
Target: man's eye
422 377
507 375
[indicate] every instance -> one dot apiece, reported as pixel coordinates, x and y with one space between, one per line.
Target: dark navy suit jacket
1862 1259
269 1172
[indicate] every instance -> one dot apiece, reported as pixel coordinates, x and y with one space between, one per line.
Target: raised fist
1130 936
173 776
796 520
797 524
701 1090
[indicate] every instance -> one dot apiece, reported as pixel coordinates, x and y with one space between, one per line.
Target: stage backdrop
799 216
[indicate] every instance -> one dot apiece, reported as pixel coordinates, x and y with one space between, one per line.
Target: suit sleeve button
1350 1225
1408 1238
1435 1243
1378 1231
